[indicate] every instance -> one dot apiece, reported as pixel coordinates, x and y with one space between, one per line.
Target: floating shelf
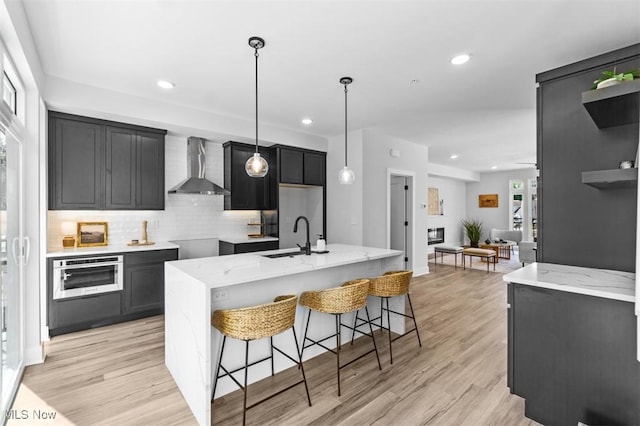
615 105
611 179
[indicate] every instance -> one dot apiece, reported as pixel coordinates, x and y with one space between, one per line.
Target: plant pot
474 244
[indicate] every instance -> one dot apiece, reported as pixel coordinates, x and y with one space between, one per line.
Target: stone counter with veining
609 284
194 288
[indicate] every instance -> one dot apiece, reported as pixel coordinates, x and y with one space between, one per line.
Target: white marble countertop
604 283
223 271
245 239
81 251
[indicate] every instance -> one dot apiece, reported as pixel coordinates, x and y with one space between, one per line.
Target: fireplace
435 236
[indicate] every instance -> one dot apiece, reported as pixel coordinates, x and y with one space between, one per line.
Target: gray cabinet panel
144 288
144 280
578 224
150 171
75 164
573 357
120 169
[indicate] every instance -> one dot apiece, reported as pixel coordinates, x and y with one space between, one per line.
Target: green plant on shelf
615 77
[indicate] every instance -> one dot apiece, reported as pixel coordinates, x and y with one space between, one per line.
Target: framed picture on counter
92 234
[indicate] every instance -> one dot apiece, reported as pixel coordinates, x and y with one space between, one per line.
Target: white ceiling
484 110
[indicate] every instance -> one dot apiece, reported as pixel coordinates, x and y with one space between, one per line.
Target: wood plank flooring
116 374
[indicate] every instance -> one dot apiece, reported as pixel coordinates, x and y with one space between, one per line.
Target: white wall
493 183
453 193
294 202
365 202
344 202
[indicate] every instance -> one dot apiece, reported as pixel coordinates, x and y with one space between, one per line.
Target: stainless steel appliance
75 277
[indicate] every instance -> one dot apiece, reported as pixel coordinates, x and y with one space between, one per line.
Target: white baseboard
421 271
34 355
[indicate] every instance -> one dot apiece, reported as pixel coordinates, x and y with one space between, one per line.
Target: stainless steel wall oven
73 277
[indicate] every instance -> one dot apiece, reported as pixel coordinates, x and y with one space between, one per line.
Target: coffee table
503 250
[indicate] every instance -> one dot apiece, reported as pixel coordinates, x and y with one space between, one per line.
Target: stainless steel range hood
196 183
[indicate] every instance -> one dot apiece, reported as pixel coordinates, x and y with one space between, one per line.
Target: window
9 93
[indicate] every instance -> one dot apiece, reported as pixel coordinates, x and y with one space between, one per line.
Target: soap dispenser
321 244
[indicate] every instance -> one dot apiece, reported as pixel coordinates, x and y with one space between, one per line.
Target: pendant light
256 166
346 175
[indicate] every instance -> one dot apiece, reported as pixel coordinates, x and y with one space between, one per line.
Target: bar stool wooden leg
415 324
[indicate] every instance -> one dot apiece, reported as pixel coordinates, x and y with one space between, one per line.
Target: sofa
513 237
527 252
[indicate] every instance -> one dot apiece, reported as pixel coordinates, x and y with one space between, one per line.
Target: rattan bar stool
252 323
390 284
351 296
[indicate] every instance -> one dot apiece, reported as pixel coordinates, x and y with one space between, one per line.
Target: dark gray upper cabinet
75 159
248 193
120 169
302 167
98 164
150 171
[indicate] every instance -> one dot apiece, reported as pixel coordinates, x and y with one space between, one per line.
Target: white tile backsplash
185 216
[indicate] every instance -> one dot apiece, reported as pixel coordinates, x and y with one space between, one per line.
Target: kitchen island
572 344
194 288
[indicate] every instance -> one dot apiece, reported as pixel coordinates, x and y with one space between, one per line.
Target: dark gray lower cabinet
225 247
572 357
142 296
144 280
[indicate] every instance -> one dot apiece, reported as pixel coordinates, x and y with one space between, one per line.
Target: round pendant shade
346 176
256 166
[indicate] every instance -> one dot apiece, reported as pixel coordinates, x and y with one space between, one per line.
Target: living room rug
503 266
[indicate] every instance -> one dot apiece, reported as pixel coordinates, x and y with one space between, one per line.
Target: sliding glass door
11 268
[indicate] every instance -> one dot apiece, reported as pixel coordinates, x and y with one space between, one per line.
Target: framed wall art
92 234
488 200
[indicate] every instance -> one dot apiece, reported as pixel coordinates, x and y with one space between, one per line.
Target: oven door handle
88 265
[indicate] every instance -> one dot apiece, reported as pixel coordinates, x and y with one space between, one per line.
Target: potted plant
473 228
610 78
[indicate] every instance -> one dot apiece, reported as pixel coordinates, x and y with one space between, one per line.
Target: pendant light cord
345 125
256 54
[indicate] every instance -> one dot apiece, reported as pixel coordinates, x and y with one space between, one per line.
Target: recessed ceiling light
306 121
453 156
166 84
460 59
494 167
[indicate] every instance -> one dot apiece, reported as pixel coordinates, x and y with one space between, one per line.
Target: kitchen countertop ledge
609 284
224 271
243 240
82 251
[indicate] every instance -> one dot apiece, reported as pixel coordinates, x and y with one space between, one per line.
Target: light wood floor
116 375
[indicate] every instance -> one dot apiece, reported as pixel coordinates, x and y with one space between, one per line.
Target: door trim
410 209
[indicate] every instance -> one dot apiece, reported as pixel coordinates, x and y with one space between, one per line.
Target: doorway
400 214
11 268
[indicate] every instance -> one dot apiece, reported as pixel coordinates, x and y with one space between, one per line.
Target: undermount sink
287 254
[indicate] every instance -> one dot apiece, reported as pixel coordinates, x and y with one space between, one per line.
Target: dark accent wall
581 225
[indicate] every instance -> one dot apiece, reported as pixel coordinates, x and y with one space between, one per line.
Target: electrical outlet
220 295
